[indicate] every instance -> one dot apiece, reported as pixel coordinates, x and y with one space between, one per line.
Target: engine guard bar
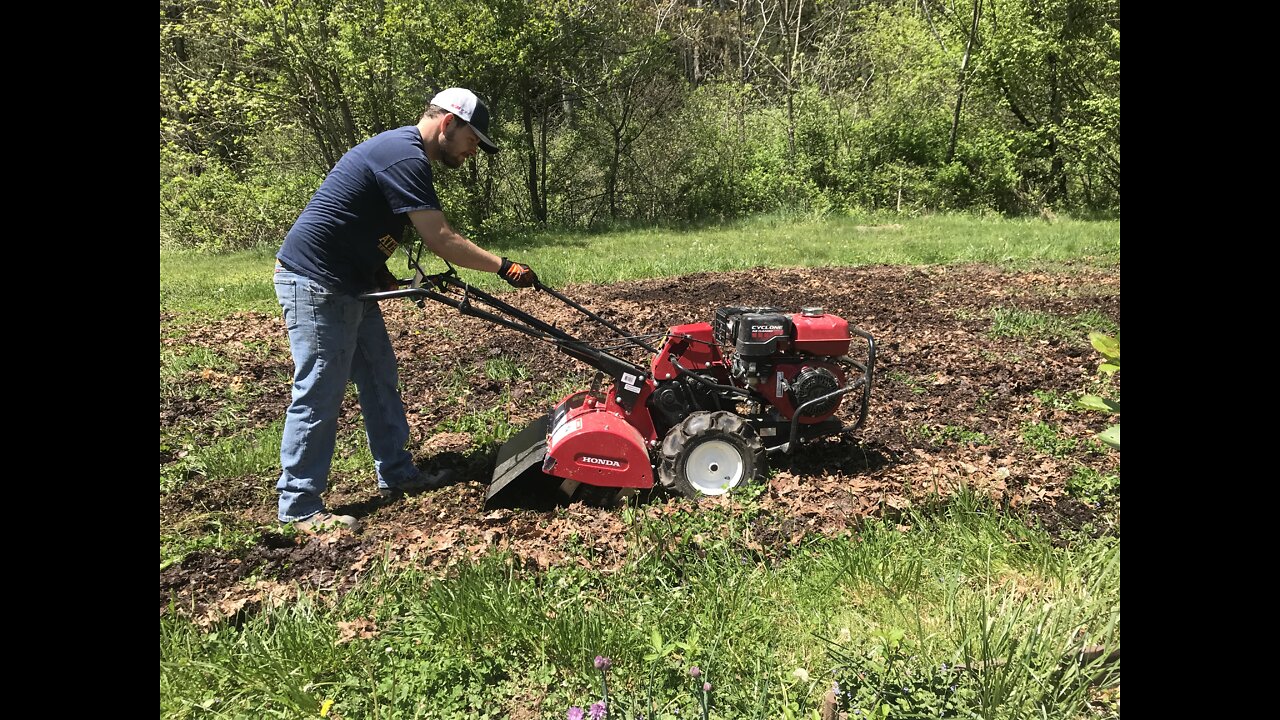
868 373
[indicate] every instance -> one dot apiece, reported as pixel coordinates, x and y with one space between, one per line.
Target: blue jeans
335 338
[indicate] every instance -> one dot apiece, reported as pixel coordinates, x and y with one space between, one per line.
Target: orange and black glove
517 274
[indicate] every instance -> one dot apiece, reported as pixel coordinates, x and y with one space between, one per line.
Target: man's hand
517 274
386 281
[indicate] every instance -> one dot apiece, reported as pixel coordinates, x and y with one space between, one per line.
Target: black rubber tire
737 440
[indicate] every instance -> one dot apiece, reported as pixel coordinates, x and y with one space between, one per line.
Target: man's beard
449 154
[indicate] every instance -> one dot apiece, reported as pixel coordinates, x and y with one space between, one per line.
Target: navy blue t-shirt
356 219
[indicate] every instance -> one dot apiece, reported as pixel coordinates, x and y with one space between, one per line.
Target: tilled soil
951 407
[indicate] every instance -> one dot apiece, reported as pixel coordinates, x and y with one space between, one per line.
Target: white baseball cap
464 104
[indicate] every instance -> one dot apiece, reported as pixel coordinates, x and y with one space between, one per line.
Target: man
336 250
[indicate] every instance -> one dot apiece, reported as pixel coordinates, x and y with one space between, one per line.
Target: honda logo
600 461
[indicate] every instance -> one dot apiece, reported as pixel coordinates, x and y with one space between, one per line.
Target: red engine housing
826 335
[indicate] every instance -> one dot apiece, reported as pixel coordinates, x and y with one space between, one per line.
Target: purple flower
603 663
695 671
597 711
706 687
575 713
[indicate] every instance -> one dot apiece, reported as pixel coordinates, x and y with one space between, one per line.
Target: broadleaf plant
1110 349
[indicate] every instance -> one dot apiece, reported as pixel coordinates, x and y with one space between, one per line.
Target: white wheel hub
714 467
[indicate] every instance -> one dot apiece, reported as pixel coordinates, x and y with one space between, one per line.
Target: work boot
323 522
422 483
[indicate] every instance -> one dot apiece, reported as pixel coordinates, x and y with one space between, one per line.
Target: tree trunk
611 187
542 211
531 157
964 69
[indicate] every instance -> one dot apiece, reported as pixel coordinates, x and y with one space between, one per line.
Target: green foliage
892 678
504 369
1092 486
1054 400
211 531
1109 347
205 205
234 456
192 281
946 434
643 112
1045 438
487 426
907 381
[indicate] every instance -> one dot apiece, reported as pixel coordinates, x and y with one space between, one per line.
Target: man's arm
443 241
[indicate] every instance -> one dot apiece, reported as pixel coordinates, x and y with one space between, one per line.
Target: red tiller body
601 443
694 347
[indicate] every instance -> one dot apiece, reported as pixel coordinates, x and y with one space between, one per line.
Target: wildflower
695 671
597 711
603 663
324 707
835 687
575 713
706 687
801 674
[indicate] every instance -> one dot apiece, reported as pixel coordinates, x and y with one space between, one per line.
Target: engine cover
818 333
754 332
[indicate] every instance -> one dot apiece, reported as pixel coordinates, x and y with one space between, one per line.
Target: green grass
1092 486
217 284
254 453
1035 325
208 531
487 426
915 385
504 369
1055 400
966 585
175 364
1045 438
195 282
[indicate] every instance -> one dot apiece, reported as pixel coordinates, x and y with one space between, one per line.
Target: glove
517 274
386 281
